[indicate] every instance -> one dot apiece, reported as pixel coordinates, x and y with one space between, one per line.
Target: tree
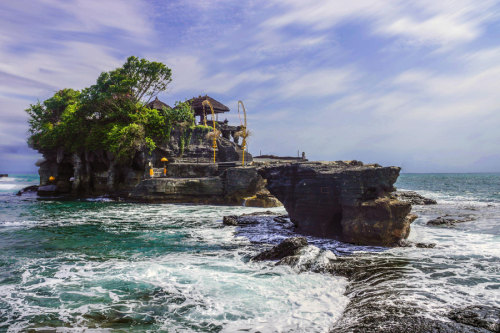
109 115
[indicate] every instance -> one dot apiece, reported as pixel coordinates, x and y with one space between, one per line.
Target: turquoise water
145 267
121 267
484 187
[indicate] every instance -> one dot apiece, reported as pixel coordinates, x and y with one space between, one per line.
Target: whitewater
114 266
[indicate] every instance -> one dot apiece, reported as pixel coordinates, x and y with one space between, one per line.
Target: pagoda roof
157 104
196 105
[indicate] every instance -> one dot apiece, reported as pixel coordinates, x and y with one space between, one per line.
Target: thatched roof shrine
196 105
157 104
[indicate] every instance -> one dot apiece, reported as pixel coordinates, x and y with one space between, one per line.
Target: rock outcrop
191 175
414 198
342 200
288 247
450 220
28 189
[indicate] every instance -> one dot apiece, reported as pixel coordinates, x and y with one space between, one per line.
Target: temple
203 115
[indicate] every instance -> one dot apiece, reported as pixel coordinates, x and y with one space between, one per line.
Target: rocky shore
348 201
385 315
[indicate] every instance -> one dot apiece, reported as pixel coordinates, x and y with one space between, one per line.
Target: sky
414 84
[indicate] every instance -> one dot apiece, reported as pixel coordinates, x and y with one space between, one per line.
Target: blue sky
408 83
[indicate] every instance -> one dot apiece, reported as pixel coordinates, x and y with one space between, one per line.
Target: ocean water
110 266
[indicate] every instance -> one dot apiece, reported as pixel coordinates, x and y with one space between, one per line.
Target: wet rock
310 258
449 220
47 190
230 220
28 189
404 324
262 199
267 212
425 245
288 247
414 198
480 316
245 219
341 200
282 219
406 243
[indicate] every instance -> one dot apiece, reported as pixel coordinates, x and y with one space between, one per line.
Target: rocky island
105 141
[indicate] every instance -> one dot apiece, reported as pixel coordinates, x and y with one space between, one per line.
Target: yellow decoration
151 172
52 178
164 159
207 102
243 132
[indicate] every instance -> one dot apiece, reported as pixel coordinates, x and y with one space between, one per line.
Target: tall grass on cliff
110 115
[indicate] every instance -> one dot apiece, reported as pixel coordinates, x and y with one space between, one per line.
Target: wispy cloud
412 83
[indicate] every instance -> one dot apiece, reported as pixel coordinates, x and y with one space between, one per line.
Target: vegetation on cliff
110 115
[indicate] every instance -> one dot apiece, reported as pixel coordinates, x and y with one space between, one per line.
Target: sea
99 265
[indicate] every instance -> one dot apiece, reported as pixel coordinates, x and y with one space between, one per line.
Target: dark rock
426 245
242 219
47 190
406 243
267 212
288 247
414 198
230 220
480 316
448 220
342 200
28 189
282 219
3 175
402 324
310 259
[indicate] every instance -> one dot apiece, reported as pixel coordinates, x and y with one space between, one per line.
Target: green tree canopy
111 114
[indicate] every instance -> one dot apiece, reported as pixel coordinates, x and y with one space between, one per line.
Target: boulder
288 247
262 199
414 198
342 200
230 220
47 190
449 220
28 189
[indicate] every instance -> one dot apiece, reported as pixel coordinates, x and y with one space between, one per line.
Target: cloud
47 45
418 22
338 79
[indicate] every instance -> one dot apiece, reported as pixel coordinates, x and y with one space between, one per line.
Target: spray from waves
153 267
14 183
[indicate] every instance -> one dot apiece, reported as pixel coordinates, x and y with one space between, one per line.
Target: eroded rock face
192 175
342 200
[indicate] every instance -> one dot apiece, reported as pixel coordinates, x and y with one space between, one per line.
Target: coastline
422 282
